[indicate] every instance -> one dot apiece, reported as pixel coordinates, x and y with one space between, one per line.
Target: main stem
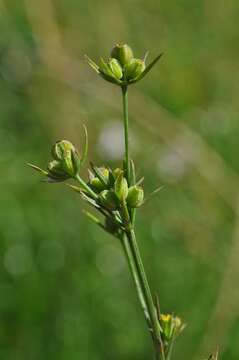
142 285
132 251
126 130
155 328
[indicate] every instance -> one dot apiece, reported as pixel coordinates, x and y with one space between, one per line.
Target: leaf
85 152
93 218
37 168
75 188
83 195
92 64
132 173
153 193
89 200
140 181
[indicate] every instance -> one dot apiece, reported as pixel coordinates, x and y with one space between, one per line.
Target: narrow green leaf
153 193
92 217
132 173
85 152
37 168
83 195
140 181
92 64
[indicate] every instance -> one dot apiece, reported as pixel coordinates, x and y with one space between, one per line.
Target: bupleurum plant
117 194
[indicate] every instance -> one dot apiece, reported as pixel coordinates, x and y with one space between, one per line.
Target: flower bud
121 187
61 148
123 53
135 196
56 172
108 199
65 152
134 69
115 68
96 183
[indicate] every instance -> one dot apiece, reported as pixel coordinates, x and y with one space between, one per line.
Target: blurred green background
65 290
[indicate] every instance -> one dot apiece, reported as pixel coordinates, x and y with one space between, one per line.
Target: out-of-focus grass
65 289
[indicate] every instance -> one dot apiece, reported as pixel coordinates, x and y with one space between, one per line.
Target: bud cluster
122 68
113 189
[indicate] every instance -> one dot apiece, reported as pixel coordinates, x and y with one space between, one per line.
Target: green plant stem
132 250
126 131
144 284
138 267
133 270
86 187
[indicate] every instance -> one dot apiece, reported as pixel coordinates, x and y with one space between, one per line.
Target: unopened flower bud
115 68
61 148
97 184
123 53
108 199
121 187
135 196
134 69
56 172
65 152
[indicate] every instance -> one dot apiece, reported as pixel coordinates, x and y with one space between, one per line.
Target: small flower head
68 157
122 68
135 196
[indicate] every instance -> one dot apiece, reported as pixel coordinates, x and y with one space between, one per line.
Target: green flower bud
108 199
96 182
65 152
134 69
116 69
135 196
123 53
97 185
61 148
121 187
56 172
